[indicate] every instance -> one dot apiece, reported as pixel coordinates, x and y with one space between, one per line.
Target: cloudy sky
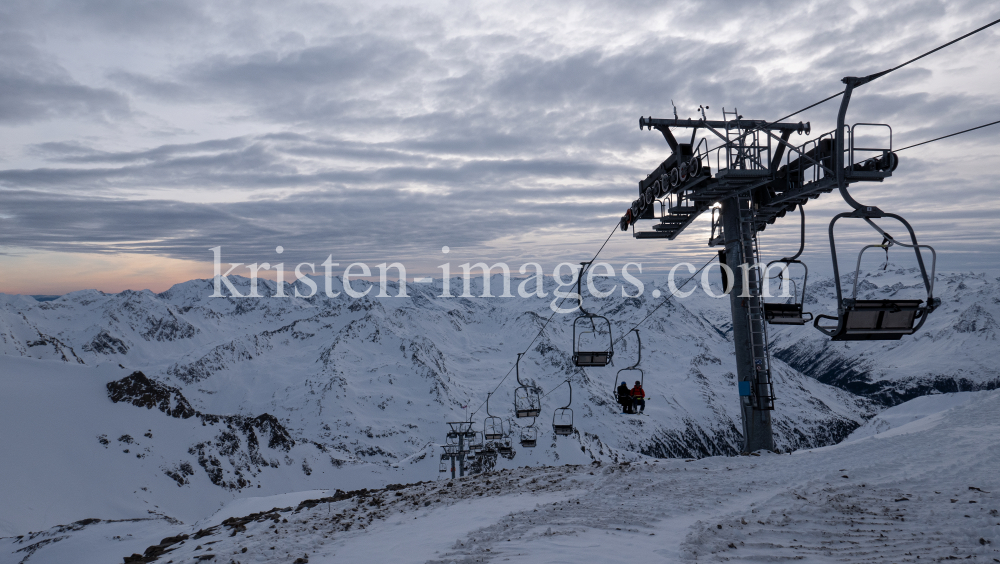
137 134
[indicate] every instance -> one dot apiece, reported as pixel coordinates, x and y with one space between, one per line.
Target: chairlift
527 399
492 425
791 313
873 320
506 448
449 457
486 460
529 436
583 357
633 368
489 449
885 319
562 418
476 444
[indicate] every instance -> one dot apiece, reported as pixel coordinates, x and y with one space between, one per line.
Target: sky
136 135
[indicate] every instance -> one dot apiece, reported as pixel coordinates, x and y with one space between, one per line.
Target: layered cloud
368 130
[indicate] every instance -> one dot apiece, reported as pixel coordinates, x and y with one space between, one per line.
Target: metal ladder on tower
762 390
734 138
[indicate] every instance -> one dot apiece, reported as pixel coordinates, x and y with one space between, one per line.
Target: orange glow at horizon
54 273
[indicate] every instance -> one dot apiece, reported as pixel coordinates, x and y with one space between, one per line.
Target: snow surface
913 410
925 495
363 388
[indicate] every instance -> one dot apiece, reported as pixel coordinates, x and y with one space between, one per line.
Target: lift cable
665 300
883 73
810 106
556 388
546 324
947 136
871 77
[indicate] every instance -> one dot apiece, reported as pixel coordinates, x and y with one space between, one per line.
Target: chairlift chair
527 400
879 320
489 449
562 418
791 313
529 436
872 320
633 368
475 446
445 463
582 357
492 425
505 448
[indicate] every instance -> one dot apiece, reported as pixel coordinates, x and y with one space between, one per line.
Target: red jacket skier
638 397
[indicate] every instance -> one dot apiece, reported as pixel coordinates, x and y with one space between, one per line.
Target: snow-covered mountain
176 403
955 350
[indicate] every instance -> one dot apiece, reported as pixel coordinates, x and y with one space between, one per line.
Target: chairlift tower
457 436
757 176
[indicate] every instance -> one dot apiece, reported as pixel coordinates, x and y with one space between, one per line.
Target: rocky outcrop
237 443
140 391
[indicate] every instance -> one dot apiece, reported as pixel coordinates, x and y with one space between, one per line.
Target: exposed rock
140 391
105 343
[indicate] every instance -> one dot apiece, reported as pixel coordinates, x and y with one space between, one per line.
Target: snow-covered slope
915 409
924 491
245 397
955 350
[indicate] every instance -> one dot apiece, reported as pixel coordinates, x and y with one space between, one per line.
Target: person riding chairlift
638 397
625 398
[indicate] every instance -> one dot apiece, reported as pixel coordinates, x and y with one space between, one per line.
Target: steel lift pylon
757 176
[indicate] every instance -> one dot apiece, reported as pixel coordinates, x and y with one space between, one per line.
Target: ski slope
926 490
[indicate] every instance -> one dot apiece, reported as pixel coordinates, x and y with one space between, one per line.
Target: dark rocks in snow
976 319
140 391
152 553
277 435
105 343
59 348
169 329
180 473
238 443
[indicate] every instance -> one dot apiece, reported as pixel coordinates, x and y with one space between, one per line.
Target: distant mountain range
275 394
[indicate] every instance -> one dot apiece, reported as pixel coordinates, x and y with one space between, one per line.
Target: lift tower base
753 368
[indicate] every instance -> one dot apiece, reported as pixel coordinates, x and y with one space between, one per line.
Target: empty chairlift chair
506 446
529 436
527 399
562 418
476 443
880 319
586 351
791 313
492 425
883 319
